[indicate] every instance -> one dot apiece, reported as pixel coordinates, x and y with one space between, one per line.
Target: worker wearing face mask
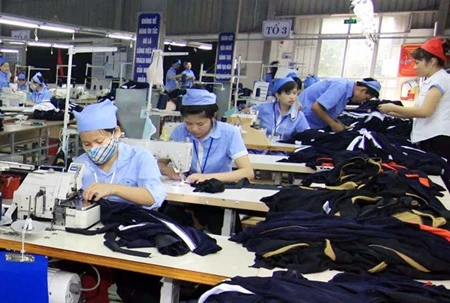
22 82
40 91
4 73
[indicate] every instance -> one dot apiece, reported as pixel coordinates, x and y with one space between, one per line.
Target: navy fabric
375 244
290 287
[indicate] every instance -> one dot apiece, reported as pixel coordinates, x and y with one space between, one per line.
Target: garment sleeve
170 73
236 145
149 177
441 84
47 96
331 97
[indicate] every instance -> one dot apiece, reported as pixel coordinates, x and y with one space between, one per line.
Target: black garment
209 186
311 243
440 145
148 228
292 288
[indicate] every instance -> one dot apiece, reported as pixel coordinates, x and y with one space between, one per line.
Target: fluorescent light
16 42
205 46
178 43
42 44
57 28
9 50
18 23
56 45
167 42
93 49
121 36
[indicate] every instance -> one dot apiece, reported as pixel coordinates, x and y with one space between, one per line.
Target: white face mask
33 86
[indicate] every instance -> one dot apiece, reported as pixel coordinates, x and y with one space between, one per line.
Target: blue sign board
225 56
147 40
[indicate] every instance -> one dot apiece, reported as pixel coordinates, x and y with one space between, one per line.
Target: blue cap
177 62
374 85
3 60
21 76
198 97
97 116
292 75
36 79
278 83
310 80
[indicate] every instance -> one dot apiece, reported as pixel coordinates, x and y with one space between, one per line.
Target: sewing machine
54 196
180 153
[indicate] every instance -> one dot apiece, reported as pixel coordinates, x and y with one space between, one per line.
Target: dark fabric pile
308 243
338 147
132 226
57 115
290 287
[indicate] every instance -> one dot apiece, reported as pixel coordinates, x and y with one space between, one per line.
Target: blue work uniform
171 84
134 166
22 87
41 96
269 78
332 94
4 80
188 83
216 152
280 126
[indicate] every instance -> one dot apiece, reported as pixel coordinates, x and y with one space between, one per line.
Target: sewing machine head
180 153
55 196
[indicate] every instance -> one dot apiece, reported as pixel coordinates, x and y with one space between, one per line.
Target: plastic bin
10 183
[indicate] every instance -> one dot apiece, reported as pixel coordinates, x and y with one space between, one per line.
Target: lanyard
110 182
202 168
275 125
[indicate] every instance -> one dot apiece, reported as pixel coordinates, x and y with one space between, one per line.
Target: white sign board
21 33
276 28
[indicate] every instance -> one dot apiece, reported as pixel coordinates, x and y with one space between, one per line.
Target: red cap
434 47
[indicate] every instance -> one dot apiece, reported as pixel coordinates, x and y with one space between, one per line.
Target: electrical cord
98 280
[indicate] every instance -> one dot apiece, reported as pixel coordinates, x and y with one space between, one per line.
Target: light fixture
9 50
205 46
167 42
121 36
364 14
57 45
179 43
41 44
56 28
16 42
17 23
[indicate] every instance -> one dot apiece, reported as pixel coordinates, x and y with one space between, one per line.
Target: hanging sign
274 29
147 40
225 56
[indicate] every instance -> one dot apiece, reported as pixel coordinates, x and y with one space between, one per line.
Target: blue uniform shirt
217 151
4 80
269 78
134 166
188 73
282 126
43 95
171 84
332 94
22 87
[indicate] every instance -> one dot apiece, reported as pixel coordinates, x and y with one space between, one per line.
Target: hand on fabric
195 178
337 127
174 175
387 108
96 191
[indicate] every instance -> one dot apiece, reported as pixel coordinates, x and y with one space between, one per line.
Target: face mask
33 86
100 155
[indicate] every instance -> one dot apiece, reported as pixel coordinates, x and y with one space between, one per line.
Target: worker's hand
337 127
245 110
28 103
387 108
96 191
172 174
195 178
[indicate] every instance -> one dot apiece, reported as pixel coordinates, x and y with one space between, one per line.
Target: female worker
22 82
4 73
115 170
216 146
187 76
431 125
284 116
40 91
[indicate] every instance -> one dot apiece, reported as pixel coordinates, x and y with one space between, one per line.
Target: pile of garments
290 287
